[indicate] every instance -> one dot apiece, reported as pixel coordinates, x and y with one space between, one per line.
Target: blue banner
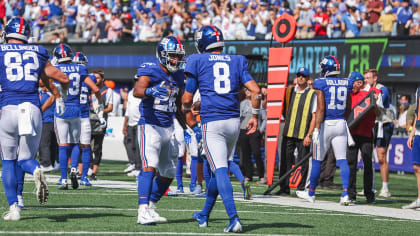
399 156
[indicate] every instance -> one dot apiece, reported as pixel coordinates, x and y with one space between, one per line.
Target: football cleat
413 205
13 213
203 221
84 181
234 226
20 201
63 185
73 178
154 214
59 181
305 195
144 217
130 168
192 187
345 201
246 188
197 190
385 193
203 194
180 189
41 186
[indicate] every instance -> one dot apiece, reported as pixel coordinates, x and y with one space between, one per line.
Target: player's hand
410 141
157 91
187 137
315 136
252 125
59 106
198 135
124 130
195 109
307 141
102 121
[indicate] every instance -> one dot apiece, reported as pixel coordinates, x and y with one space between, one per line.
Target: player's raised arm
52 72
95 90
252 86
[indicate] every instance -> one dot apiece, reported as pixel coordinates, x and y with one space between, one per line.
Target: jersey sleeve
83 72
191 66
43 55
385 96
191 85
93 78
145 70
319 84
245 76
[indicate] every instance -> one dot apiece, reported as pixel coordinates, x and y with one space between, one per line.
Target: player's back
219 77
21 68
335 92
154 110
76 73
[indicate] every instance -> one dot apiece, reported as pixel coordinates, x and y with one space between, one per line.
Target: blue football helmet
356 76
80 58
17 28
208 37
170 53
329 66
63 53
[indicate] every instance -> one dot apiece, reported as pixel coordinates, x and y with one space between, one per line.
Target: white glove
103 122
59 106
98 108
63 92
315 136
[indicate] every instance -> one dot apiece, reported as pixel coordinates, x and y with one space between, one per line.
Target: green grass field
114 211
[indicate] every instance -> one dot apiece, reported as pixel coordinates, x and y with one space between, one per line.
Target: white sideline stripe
278 68
129 233
284 201
274 86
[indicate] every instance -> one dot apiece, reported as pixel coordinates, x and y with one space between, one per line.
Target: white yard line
129 233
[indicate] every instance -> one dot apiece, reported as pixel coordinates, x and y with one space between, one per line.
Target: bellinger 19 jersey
21 66
218 78
84 98
156 111
335 92
77 74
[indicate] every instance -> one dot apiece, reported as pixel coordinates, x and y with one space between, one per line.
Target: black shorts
387 134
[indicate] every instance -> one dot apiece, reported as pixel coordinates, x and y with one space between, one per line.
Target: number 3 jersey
335 92
84 98
21 68
218 77
157 111
77 74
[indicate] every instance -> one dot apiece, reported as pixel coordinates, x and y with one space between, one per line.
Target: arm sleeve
385 97
191 85
245 76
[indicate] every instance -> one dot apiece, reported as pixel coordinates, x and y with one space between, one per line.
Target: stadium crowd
140 20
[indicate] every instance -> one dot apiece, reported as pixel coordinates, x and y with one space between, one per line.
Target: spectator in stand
177 20
374 11
321 20
334 26
114 28
40 23
101 33
387 20
3 19
56 12
415 26
262 17
28 8
69 19
18 8
404 17
127 28
83 10
305 27
351 22
91 28
206 18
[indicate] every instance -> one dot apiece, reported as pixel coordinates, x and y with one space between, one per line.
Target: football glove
198 135
59 106
187 137
156 91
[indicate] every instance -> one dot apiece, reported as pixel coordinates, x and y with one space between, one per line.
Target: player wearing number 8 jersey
67 125
21 67
218 77
333 104
159 85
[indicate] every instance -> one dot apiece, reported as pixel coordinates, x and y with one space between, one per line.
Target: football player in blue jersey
160 86
333 106
22 66
68 124
85 128
218 77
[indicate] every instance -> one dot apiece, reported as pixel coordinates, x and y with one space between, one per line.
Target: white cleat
385 193
197 190
413 205
47 168
20 201
13 213
144 216
41 186
154 214
345 201
130 168
305 195
133 173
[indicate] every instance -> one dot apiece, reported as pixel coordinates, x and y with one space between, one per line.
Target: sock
9 180
315 174
63 155
75 153
236 171
179 171
385 185
345 175
85 161
226 191
206 172
29 165
158 189
144 186
193 169
212 193
20 177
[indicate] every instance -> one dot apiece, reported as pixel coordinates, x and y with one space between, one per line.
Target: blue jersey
218 77
335 92
47 115
156 111
84 98
77 74
21 66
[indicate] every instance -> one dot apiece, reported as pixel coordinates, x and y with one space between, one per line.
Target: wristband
255 111
186 109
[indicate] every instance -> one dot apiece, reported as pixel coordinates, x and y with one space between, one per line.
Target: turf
114 211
